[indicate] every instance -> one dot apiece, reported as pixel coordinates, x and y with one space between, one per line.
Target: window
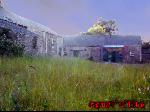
34 42
52 41
52 47
65 52
60 50
76 53
132 53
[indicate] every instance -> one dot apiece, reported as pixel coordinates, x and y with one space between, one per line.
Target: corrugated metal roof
115 46
98 40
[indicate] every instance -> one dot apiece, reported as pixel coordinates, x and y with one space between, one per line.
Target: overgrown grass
68 84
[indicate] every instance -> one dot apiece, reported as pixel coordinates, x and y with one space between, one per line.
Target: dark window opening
76 53
34 42
112 55
60 50
65 51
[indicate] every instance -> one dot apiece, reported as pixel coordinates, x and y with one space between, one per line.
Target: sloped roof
97 40
83 41
123 40
32 26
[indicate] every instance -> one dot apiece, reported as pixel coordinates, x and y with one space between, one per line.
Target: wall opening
34 42
113 54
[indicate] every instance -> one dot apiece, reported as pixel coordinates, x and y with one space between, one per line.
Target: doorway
114 55
76 53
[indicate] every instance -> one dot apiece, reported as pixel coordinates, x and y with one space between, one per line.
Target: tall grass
68 84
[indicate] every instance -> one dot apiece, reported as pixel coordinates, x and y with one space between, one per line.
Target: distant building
38 39
126 49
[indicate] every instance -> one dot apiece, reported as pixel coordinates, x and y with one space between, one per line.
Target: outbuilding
123 49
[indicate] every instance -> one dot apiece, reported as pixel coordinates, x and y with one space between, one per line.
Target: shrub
146 45
9 46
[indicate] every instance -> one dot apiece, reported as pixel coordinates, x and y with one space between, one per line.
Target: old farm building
125 49
38 39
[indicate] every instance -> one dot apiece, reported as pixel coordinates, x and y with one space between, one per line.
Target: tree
146 45
110 27
9 46
96 29
103 27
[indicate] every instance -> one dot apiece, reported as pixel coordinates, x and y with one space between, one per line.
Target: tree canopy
146 45
103 27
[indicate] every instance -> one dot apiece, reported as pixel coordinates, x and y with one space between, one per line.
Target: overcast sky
69 17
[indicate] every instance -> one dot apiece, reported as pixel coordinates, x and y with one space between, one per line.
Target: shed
118 48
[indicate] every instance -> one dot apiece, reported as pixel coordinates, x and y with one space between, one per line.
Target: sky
69 17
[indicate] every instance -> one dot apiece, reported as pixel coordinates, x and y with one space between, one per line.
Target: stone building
126 49
38 39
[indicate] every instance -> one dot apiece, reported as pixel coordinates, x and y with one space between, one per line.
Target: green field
68 84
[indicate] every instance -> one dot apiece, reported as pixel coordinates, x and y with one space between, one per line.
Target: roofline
35 24
93 35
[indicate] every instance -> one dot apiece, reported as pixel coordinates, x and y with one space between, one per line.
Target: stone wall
132 54
82 52
92 53
96 53
36 43
23 35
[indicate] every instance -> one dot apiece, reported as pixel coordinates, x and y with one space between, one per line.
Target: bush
146 45
9 46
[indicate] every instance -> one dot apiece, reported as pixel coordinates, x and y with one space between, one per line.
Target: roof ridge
24 21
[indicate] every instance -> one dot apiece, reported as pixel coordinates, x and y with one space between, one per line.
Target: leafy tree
9 46
103 27
146 45
96 29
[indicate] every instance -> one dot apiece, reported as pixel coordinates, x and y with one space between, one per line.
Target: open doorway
113 54
76 53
